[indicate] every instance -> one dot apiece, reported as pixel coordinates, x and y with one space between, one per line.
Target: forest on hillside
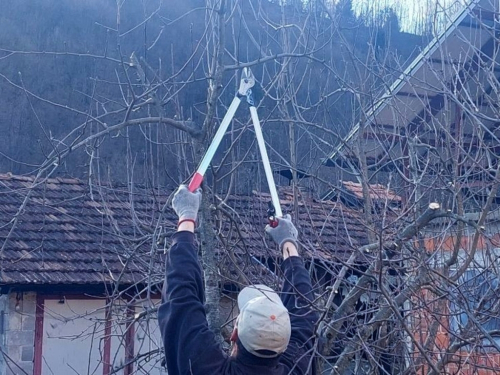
73 70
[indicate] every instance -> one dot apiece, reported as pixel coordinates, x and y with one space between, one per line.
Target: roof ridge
68 180
31 178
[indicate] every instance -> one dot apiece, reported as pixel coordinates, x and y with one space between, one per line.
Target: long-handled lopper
245 90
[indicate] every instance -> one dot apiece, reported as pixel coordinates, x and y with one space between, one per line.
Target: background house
444 102
434 137
74 274
82 266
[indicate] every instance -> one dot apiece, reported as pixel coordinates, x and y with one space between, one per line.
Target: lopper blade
247 81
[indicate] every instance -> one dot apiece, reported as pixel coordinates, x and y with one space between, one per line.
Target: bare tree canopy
384 148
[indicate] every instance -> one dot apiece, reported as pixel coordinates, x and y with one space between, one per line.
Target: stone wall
4 303
19 333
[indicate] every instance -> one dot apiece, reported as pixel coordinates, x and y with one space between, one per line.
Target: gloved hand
186 204
283 232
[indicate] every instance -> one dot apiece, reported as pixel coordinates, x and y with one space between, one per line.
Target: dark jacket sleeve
190 346
297 297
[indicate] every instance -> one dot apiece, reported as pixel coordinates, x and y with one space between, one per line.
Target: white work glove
186 204
285 231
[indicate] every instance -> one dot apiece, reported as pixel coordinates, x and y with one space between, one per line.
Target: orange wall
464 363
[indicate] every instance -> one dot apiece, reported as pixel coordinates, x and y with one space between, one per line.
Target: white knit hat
263 323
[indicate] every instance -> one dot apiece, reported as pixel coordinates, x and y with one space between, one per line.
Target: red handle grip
273 222
195 182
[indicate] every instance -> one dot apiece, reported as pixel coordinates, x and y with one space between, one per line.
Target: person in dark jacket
273 335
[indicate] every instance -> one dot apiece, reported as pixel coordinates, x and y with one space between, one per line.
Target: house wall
18 332
71 334
4 303
72 326
426 308
44 335
101 333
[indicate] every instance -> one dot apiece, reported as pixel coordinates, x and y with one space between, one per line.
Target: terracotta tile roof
63 234
327 229
66 232
377 191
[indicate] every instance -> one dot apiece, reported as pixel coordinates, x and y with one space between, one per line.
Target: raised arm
190 346
297 297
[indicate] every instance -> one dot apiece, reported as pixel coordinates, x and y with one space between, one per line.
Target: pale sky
412 12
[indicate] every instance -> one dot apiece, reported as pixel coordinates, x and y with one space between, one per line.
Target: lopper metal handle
209 155
246 83
265 160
